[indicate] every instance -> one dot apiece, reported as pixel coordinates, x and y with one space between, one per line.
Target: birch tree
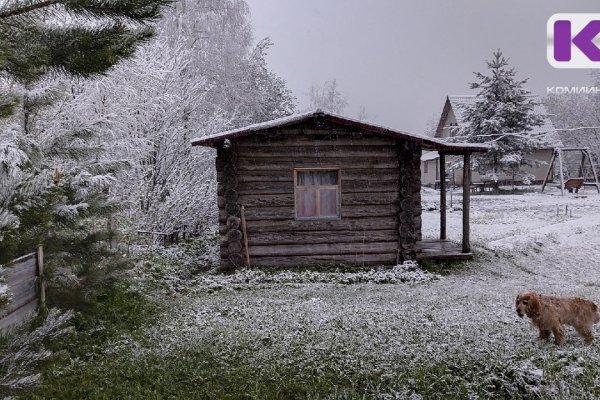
200 76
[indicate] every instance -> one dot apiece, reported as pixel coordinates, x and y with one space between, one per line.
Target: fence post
40 264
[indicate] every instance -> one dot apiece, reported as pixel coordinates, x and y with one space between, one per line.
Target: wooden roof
428 143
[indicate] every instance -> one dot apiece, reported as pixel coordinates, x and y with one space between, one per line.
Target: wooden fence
23 280
151 238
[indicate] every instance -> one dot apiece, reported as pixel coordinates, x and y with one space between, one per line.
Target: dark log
407 217
407 204
232 209
237 260
289 250
325 162
287 175
233 223
307 151
345 224
347 259
322 237
288 213
405 231
348 199
231 196
234 235
356 186
314 138
230 181
234 247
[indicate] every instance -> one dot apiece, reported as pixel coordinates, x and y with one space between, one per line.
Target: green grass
303 342
205 374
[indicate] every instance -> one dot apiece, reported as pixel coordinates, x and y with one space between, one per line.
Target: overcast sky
398 58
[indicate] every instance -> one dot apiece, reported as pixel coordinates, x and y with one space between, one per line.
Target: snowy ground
417 336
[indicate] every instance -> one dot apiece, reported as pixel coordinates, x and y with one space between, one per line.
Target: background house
430 168
453 117
320 188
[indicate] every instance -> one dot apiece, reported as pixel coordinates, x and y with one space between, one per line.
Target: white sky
398 58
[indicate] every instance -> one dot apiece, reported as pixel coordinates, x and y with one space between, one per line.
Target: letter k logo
584 40
572 41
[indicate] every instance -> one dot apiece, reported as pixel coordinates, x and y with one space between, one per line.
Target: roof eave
425 142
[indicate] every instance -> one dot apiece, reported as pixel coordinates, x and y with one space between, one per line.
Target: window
317 193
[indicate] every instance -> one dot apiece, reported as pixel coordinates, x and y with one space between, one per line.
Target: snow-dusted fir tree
55 172
39 38
52 174
502 117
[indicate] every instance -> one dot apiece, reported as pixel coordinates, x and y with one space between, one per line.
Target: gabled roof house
453 116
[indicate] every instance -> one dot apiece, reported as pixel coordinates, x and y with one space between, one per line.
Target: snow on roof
546 132
430 155
425 141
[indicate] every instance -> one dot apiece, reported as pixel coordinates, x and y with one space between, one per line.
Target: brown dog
550 313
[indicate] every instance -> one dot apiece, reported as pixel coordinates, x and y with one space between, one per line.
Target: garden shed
316 188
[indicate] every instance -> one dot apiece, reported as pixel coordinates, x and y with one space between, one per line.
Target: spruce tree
54 168
78 37
502 117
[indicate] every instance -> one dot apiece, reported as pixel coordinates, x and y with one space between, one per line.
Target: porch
441 248
438 249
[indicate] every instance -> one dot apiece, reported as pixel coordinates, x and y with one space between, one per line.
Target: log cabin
319 188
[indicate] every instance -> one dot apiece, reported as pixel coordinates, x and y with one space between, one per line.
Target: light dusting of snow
548 136
466 320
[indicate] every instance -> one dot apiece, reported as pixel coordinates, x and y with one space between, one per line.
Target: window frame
338 188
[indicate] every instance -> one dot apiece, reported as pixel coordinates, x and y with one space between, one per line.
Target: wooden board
19 315
21 278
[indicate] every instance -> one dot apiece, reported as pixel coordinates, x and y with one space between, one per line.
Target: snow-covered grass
386 334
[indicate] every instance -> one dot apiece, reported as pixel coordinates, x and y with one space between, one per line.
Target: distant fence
23 280
151 238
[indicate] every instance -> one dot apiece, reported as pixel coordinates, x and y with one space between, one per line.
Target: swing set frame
585 155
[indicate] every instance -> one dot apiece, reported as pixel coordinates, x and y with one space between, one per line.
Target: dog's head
528 303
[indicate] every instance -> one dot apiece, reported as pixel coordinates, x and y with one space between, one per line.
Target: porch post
466 245
442 196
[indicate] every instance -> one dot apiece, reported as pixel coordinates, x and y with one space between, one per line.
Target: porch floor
436 249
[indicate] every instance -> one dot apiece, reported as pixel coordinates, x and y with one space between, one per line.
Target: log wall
258 173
